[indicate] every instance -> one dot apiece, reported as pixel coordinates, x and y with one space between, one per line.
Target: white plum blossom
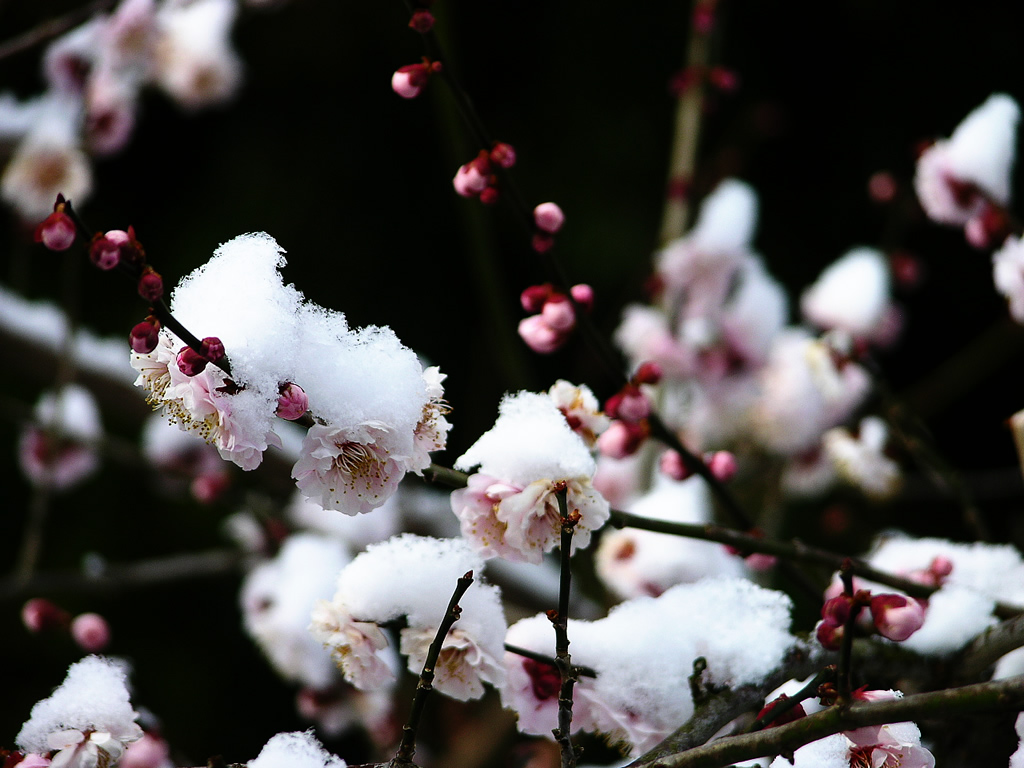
956 175
356 646
1008 275
581 409
861 460
89 718
511 509
895 745
463 665
851 295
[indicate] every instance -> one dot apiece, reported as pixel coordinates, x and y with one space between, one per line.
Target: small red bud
722 465
90 632
534 297
39 614
503 155
542 242
672 464
422 21
292 402
584 296
145 336
548 217
104 253
789 716
648 373
57 231
490 195
213 349
191 362
151 285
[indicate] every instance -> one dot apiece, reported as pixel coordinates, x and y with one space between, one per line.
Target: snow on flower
524 458
89 718
374 589
956 176
580 408
861 460
896 745
295 750
851 295
356 646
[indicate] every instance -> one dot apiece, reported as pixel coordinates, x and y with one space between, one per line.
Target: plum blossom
530 453
463 666
431 432
958 177
1008 274
581 409
861 460
59 450
356 646
852 295
353 470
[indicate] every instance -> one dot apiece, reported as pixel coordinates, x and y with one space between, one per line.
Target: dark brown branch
560 620
989 647
52 28
983 698
540 658
407 748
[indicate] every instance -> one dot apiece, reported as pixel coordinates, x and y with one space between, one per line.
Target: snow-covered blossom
277 600
59 449
634 562
374 589
1008 275
956 177
89 718
852 295
896 745
861 460
295 750
581 409
512 511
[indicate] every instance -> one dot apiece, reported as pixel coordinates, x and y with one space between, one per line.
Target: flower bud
190 362
292 402
422 21
90 632
409 80
629 404
503 155
469 181
548 217
672 464
722 465
621 439
897 617
539 336
151 285
104 253
145 336
490 195
213 349
39 614
558 313
648 373
584 295
789 716
534 297
542 242
57 231
941 566
830 634
723 79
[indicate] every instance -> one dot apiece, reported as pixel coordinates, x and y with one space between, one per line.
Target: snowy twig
560 620
983 698
540 658
407 748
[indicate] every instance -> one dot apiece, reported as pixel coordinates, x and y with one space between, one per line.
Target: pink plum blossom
355 645
580 408
463 666
897 617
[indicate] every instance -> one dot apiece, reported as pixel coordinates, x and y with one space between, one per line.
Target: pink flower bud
104 253
469 181
648 373
621 440
896 617
837 609
534 297
760 562
548 217
672 464
213 349
789 716
629 404
723 79
830 634
974 232
584 295
292 402
90 632
409 80
34 760
882 187
490 195
57 231
503 155
39 614
722 465
558 313
145 336
148 752
190 362
941 566
207 488
151 285
422 21
539 336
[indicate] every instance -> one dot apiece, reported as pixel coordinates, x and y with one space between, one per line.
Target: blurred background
355 183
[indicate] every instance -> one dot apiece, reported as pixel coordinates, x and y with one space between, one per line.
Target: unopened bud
469 181
39 614
503 155
212 349
672 464
190 362
292 402
490 195
722 465
422 21
207 488
104 253
57 231
790 715
558 313
897 617
723 79
621 439
539 336
584 296
542 242
145 336
409 80
151 285
548 217
534 297
830 634
648 373
90 632
629 404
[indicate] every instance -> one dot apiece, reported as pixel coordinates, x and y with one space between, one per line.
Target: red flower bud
648 373
213 349
534 297
104 253
191 362
584 296
503 155
490 195
57 231
39 614
151 285
422 21
145 336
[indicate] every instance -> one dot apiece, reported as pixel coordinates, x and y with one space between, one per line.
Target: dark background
354 183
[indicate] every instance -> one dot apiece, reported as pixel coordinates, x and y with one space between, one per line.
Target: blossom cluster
376 412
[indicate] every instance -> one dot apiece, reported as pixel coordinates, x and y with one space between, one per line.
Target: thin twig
407 748
560 620
845 670
540 658
809 691
52 28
